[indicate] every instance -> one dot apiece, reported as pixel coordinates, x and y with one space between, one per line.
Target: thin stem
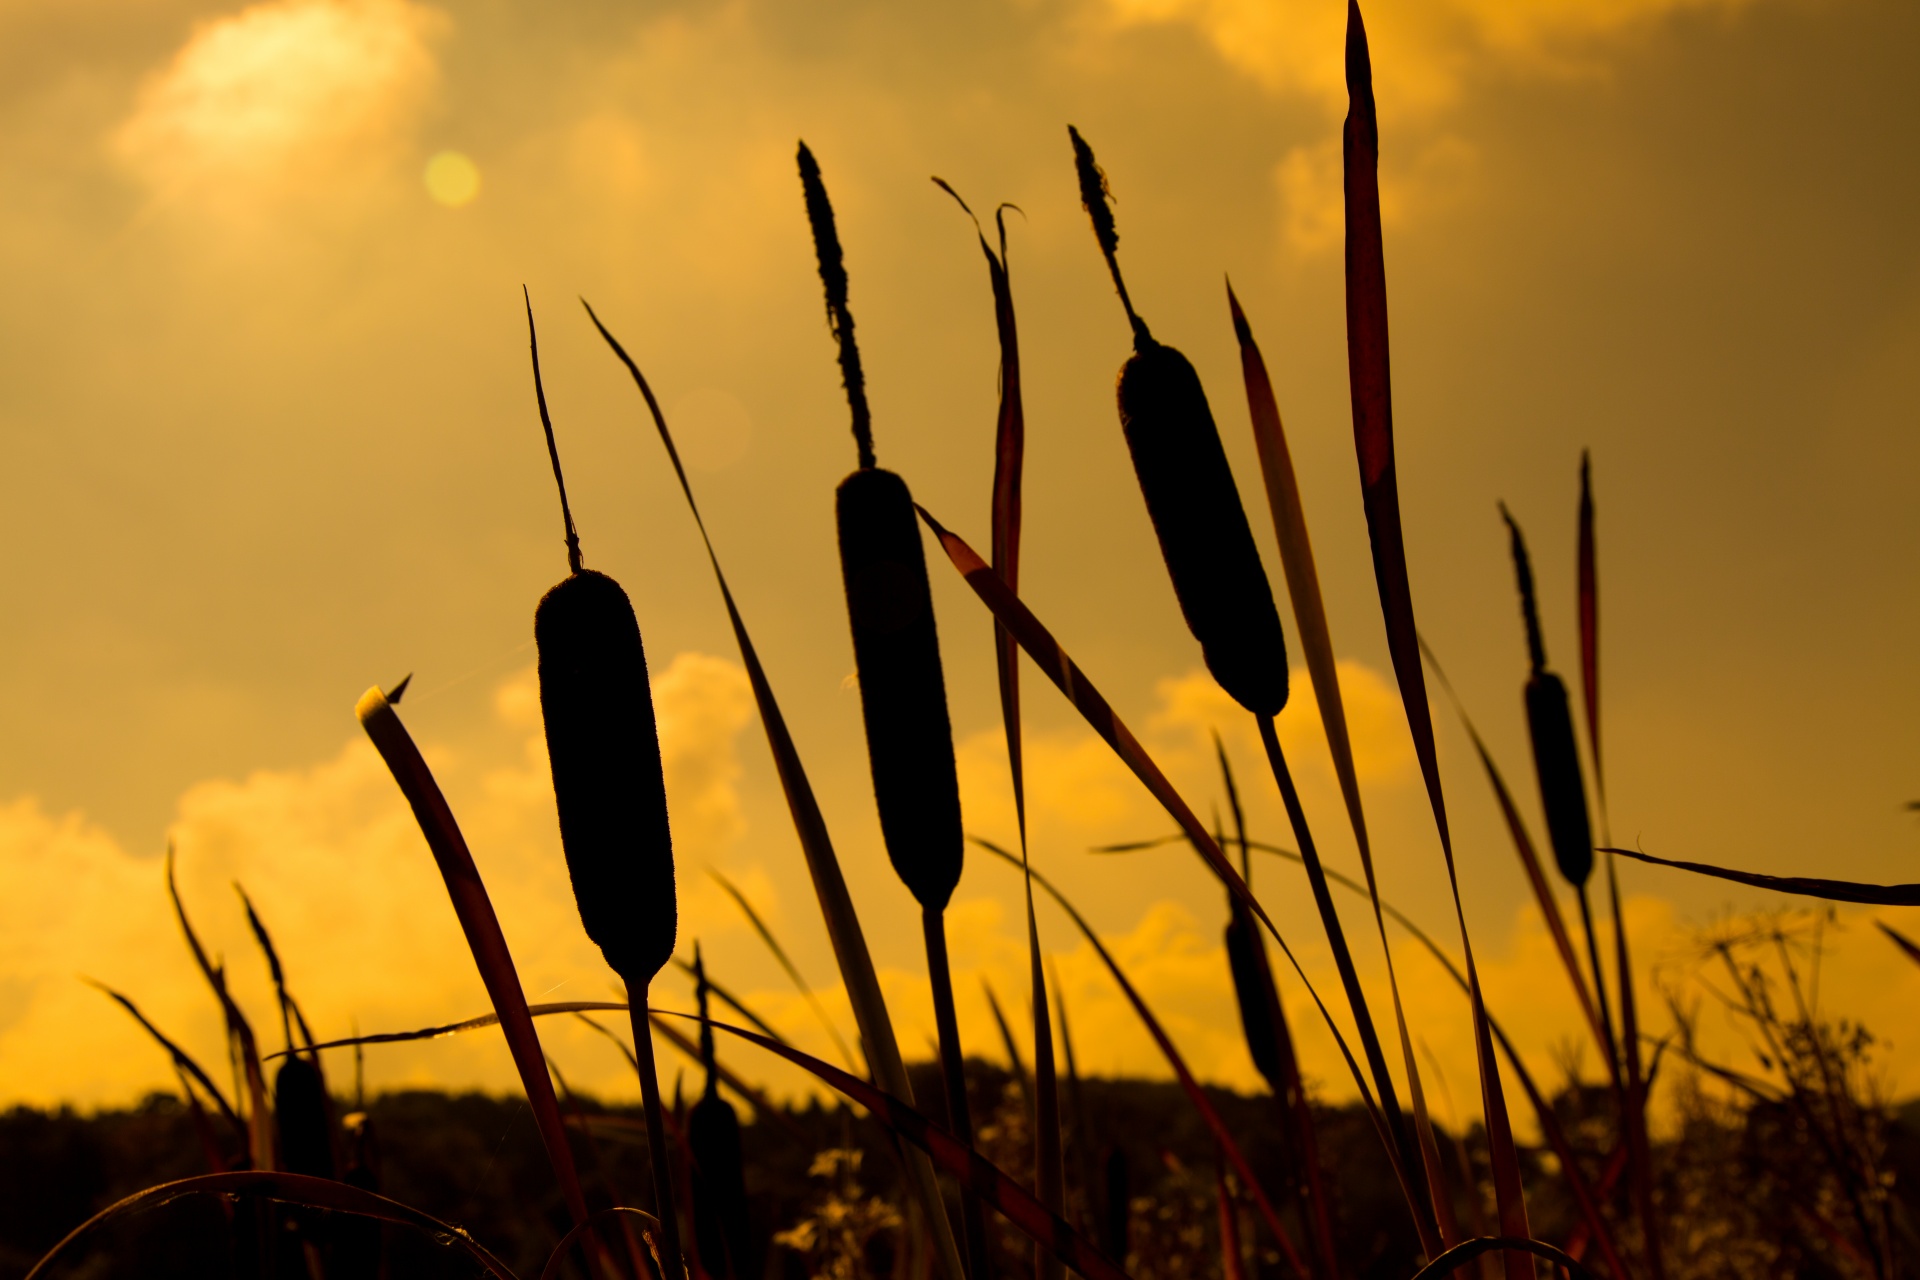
1599 986
1401 1141
553 450
953 1074
670 1254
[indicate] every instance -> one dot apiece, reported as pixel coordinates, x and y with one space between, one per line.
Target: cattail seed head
1251 983
1556 756
902 691
605 753
1202 527
300 1119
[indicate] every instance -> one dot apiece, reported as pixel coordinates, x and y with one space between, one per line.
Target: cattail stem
1400 1144
954 1076
553 450
1599 986
670 1252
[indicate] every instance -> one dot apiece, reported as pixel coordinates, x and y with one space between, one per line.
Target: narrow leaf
829 884
1513 1247
1878 895
287 1188
181 1058
1589 587
793 971
1368 369
481 926
1900 940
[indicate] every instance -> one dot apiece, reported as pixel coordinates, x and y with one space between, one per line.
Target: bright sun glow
452 179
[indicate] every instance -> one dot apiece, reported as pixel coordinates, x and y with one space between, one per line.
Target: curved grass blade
1530 863
1368 368
1012 1047
274 970
810 826
182 1060
1639 1146
287 1188
556 1259
1218 1127
792 970
1877 895
259 1120
733 1002
481 926
1010 434
1047 654
973 1170
1468 1250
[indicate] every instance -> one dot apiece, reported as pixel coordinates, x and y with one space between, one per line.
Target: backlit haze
268 437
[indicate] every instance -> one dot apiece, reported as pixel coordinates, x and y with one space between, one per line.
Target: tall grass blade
1217 1126
1233 1262
274 969
1316 642
733 1002
792 970
182 1060
1368 368
1543 894
1081 1123
239 1031
474 909
1877 895
1589 592
1010 432
830 886
285 1188
1639 1146
1007 1042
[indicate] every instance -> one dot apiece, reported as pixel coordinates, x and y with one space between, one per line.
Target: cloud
282 97
333 860
1427 55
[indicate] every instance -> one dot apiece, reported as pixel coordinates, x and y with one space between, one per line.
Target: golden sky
269 438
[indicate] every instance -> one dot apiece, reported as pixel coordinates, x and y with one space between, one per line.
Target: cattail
720 1227
1184 477
896 649
604 750
300 1117
1556 756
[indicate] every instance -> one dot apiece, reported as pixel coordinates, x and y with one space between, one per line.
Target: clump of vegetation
1789 1164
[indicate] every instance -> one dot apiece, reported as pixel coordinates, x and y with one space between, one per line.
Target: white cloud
285 96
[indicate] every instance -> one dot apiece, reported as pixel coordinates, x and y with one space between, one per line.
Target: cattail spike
1096 197
833 277
1523 570
553 450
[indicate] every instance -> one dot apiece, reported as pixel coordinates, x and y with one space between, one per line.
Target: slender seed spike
1529 609
553 452
1096 197
833 276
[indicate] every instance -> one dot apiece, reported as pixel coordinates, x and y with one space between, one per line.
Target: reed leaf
285 1188
1908 946
1877 895
810 826
1368 369
474 909
792 970
1513 1247
182 1060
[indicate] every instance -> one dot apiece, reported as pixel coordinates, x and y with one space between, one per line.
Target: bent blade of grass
259 1113
792 970
1639 1146
1530 862
1876 895
1515 1248
1316 642
286 1188
474 909
1066 675
274 970
823 866
1218 1127
1368 368
182 1060
1010 435
726 997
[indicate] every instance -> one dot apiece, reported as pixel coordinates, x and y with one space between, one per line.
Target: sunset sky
268 437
